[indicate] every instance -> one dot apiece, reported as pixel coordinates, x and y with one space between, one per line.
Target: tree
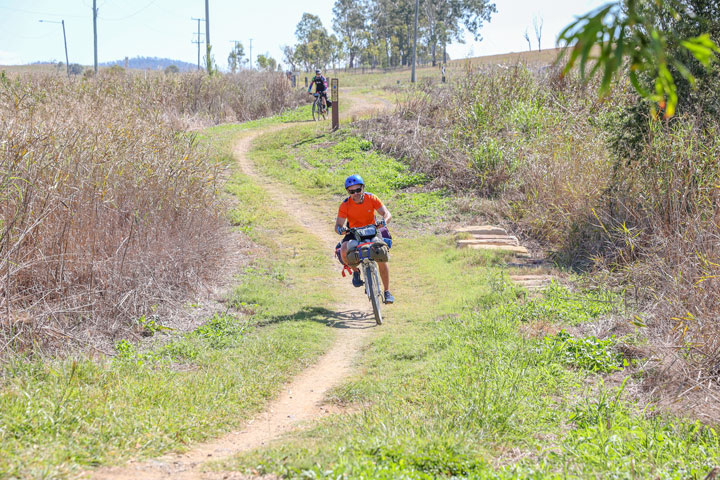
266 63
289 56
336 51
646 37
236 58
349 23
314 44
538 26
170 69
527 38
75 69
448 20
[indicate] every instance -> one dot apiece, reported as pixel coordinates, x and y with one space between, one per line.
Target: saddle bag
379 252
353 257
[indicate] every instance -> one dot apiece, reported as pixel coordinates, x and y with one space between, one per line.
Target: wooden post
335 103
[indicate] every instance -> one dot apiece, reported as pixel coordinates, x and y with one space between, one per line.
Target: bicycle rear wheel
373 290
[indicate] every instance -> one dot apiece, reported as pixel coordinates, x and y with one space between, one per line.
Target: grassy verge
452 388
317 163
463 381
60 416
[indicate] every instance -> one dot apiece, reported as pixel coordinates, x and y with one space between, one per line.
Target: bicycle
319 109
365 253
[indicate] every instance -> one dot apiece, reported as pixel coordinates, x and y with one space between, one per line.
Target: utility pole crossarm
198 41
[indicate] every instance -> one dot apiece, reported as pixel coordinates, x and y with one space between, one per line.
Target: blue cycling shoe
356 280
389 297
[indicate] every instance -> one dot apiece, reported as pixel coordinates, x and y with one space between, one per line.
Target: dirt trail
302 399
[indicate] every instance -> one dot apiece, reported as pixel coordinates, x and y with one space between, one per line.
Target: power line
131 15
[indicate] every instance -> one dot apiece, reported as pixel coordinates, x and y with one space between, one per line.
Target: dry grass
536 144
107 210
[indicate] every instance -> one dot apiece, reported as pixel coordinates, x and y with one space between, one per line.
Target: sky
164 28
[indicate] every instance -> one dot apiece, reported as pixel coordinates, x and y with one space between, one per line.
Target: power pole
251 67
207 35
67 62
95 31
417 6
198 41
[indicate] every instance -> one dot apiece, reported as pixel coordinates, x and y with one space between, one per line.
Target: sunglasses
353 192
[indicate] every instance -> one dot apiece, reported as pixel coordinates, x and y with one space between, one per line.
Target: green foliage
320 165
314 48
450 389
562 306
236 57
627 30
587 353
266 63
608 435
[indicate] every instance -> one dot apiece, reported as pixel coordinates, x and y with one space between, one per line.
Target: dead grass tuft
108 211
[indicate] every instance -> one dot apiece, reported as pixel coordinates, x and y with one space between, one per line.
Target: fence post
335 103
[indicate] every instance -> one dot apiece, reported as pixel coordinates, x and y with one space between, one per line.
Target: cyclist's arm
340 223
385 213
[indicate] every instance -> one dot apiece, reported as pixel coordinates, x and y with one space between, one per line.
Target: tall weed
107 208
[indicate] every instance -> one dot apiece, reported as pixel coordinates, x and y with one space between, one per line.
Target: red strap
346 269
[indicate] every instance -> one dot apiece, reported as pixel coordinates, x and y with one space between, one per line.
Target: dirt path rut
302 399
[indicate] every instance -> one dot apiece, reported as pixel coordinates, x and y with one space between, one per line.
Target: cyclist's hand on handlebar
381 223
340 230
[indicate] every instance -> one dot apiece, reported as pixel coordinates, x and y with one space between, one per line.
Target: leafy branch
607 36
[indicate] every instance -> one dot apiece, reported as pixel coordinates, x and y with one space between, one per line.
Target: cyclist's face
355 191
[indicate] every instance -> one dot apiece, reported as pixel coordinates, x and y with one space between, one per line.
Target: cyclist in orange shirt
358 210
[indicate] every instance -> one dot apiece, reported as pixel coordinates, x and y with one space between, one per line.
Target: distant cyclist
321 85
359 210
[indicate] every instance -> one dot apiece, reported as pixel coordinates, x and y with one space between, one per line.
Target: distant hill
152 63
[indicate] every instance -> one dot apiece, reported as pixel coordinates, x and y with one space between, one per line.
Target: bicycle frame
371 277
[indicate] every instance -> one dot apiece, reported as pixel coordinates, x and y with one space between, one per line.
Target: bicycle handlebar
378 224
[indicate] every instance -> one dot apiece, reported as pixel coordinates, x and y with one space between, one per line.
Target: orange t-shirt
360 214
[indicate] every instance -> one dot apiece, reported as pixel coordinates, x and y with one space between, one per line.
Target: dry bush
106 211
512 135
664 222
196 99
537 143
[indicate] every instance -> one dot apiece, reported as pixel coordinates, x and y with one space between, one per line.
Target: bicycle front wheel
373 291
315 111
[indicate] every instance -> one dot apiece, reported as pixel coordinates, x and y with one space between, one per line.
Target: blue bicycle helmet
353 180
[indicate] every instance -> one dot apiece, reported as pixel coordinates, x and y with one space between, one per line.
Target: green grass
451 389
317 163
61 416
